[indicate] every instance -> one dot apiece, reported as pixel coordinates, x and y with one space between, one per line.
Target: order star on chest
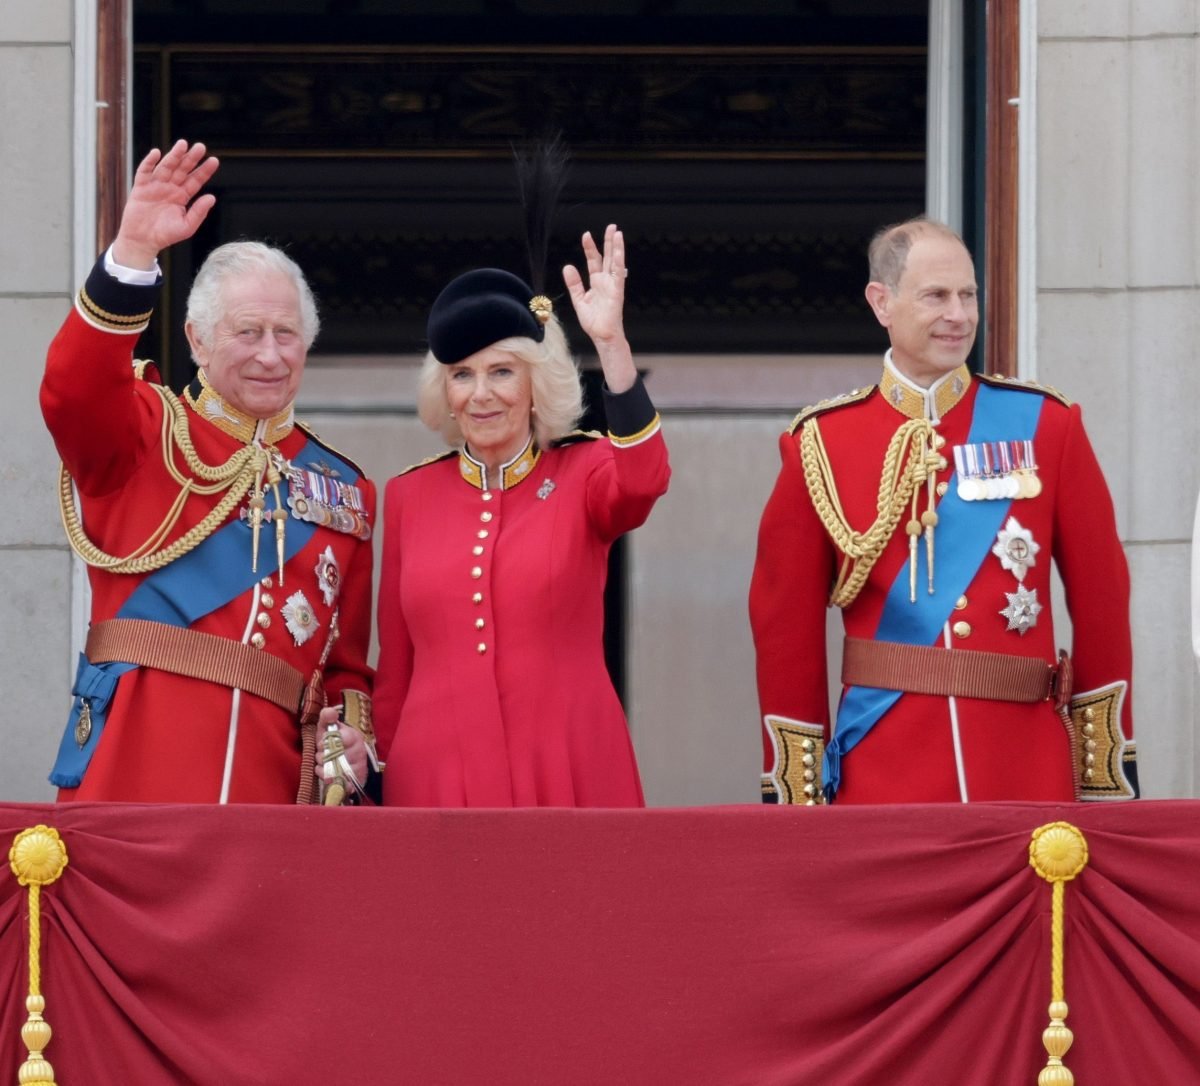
1015 548
1022 610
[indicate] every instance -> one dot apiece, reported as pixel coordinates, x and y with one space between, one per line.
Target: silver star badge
1016 549
1022 610
298 614
545 489
329 575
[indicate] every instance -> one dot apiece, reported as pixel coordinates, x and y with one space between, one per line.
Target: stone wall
1118 313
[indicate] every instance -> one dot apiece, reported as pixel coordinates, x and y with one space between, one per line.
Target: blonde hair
554 376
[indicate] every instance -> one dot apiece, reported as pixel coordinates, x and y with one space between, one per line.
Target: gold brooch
542 307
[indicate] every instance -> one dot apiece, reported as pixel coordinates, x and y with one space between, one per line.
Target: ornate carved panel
748 179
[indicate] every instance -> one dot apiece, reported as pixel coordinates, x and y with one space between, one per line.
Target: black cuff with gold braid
1107 760
114 306
631 416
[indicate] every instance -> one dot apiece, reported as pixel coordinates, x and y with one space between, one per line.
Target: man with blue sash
229 550
928 508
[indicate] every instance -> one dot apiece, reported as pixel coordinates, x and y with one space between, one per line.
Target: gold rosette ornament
37 857
1058 852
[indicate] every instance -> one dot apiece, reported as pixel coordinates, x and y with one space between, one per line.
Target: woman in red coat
491 689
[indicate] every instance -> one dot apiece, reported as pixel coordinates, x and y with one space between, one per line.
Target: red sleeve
394 670
99 417
346 668
789 592
1095 574
625 484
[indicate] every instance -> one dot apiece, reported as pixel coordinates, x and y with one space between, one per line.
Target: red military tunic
167 737
926 747
491 688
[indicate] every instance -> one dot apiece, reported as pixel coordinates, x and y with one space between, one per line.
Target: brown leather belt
961 673
198 656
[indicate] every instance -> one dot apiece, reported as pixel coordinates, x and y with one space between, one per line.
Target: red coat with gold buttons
491 686
169 738
928 748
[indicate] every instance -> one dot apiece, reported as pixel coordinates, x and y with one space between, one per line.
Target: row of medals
996 470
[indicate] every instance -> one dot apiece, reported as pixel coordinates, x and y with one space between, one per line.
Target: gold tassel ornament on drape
37 857
1058 852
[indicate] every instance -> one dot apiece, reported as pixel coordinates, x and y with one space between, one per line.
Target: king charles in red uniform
928 508
228 549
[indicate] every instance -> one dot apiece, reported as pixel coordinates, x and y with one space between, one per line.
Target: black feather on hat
482 307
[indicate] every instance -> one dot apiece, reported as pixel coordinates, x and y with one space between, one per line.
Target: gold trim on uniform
424 463
911 402
515 471
649 430
213 407
799 749
821 406
1101 745
111 322
1001 381
356 711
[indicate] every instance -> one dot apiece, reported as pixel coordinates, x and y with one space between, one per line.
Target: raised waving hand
165 205
600 306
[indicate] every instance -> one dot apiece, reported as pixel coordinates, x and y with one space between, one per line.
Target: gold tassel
279 515
37 857
256 519
913 528
1058 852
929 520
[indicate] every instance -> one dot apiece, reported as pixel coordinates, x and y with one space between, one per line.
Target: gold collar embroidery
517 469
919 403
210 405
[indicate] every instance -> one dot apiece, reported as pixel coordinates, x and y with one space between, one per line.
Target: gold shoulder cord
908 463
236 476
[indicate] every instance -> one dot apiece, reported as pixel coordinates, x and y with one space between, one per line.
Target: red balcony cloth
722 946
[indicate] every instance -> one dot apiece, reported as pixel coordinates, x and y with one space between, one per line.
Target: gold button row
477 571
258 639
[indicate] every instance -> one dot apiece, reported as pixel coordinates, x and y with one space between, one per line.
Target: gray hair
557 392
888 252
204 305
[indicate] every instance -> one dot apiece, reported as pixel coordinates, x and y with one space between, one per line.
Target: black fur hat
482 307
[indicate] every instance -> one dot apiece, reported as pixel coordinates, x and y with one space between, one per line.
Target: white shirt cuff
133 277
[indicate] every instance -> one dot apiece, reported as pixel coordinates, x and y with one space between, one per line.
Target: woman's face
491 395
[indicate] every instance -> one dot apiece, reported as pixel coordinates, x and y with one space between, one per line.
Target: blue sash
205 579
965 534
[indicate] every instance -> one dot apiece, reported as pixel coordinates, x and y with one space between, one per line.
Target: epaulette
301 425
832 404
145 370
575 437
427 461
1000 381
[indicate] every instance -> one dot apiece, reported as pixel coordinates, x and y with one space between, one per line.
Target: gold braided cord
905 467
235 476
